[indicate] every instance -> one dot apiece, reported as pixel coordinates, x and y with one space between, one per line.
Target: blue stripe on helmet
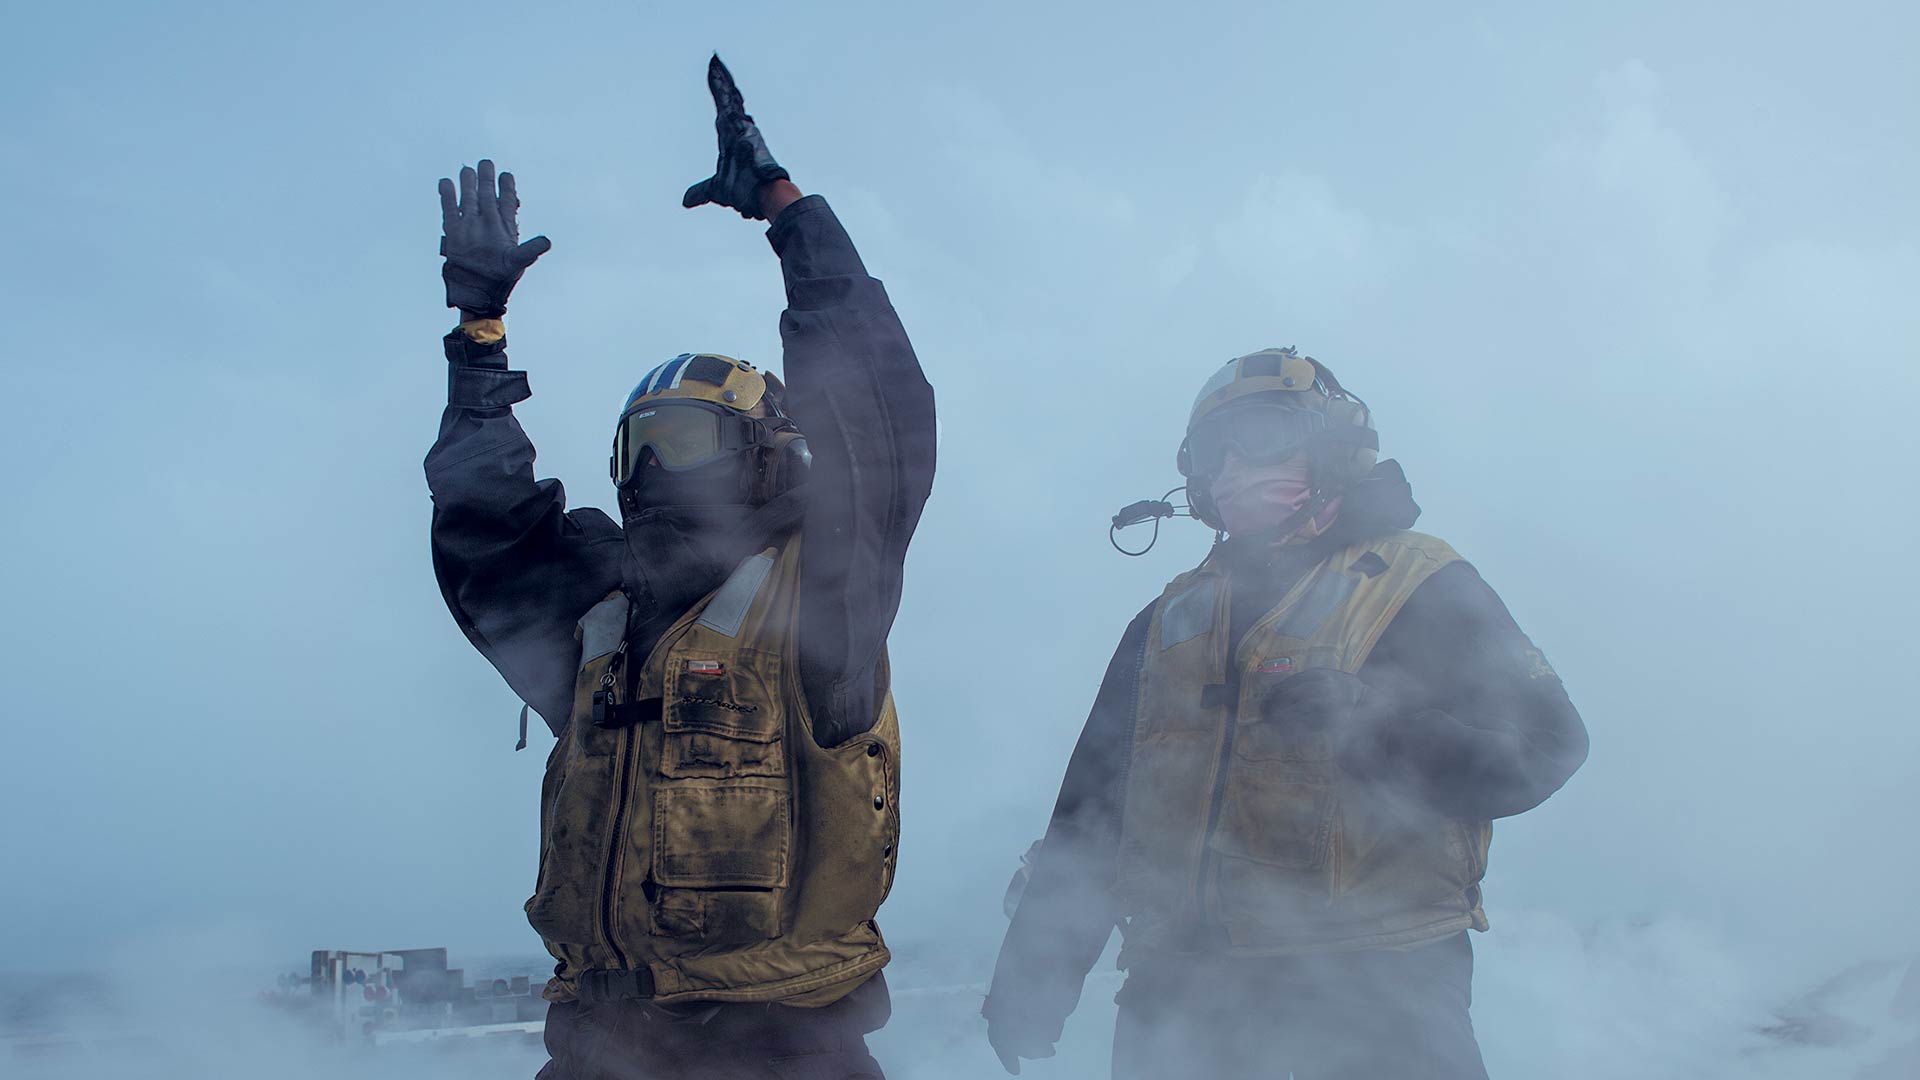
670 369
660 378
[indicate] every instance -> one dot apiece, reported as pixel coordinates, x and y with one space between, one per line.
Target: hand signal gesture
481 242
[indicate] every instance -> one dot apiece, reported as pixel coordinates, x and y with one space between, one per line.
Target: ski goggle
1261 434
683 434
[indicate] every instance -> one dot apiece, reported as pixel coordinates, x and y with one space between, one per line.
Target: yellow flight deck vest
1244 838
696 843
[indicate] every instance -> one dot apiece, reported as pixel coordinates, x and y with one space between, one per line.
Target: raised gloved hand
745 163
481 242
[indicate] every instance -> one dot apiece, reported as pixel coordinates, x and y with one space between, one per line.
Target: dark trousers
631 1040
1377 1015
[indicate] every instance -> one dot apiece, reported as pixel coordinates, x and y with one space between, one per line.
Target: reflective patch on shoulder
1323 597
602 627
728 608
1188 615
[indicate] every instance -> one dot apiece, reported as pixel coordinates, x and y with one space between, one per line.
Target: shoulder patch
728 608
1188 615
602 627
1322 599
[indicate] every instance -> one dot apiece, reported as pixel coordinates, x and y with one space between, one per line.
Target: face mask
682 532
1253 497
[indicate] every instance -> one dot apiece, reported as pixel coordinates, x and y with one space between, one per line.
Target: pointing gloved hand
481 242
745 164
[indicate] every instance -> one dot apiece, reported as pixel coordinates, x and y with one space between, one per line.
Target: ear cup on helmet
1350 448
781 464
1200 502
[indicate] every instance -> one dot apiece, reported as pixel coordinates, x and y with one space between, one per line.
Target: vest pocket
732 696
720 859
720 719
1279 815
1274 851
722 916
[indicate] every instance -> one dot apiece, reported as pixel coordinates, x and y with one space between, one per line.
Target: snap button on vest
879 802
873 749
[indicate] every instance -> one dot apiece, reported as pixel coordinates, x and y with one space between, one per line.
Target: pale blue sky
1631 289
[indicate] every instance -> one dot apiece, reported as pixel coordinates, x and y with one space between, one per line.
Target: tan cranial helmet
1268 406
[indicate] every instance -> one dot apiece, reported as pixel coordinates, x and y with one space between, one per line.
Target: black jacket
518 568
1453 647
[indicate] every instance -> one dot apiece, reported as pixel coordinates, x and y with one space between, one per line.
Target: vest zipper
610 888
1222 769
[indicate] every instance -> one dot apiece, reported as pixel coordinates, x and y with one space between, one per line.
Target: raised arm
516 568
855 388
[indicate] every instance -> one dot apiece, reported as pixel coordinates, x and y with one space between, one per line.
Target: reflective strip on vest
602 627
730 603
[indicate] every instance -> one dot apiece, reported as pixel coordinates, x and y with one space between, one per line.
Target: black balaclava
686 531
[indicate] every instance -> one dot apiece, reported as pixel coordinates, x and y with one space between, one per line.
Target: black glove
1372 737
745 162
1316 701
485 257
1356 721
1014 1037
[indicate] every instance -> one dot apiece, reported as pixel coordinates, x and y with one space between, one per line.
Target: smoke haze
1630 292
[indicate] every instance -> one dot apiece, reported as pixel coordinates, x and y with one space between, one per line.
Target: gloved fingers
699 194
523 255
487 201
1009 1060
727 102
449 210
469 199
510 206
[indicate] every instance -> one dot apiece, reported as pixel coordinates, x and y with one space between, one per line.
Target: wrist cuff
485 388
465 351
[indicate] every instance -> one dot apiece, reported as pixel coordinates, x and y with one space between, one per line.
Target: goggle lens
1261 434
681 434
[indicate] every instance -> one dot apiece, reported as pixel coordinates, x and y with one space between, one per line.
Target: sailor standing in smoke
720 812
1286 786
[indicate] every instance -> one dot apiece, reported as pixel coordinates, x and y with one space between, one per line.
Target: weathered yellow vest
697 842
1243 838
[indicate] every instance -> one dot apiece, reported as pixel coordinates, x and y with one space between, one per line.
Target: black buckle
1219 695
608 713
599 986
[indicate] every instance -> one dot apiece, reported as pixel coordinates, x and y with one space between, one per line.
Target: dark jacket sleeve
855 388
1494 731
516 568
1069 908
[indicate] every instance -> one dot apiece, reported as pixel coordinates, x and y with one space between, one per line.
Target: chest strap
609 986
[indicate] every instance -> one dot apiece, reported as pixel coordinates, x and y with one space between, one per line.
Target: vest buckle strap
608 986
609 713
